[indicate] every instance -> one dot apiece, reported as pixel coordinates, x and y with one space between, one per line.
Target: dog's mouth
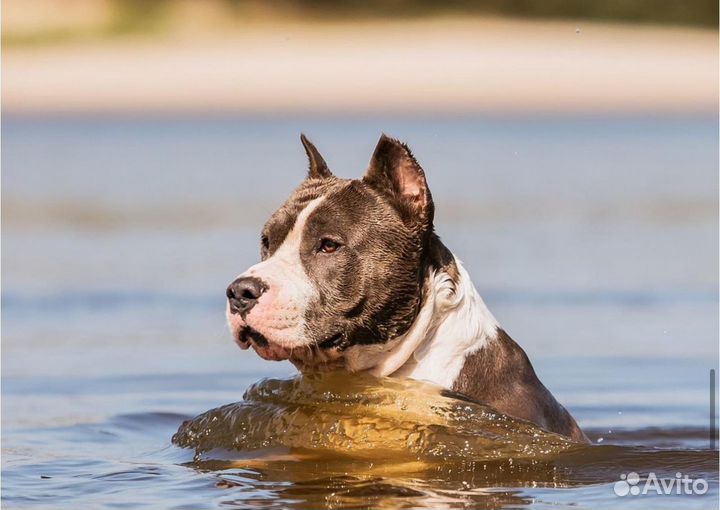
250 336
322 356
247 337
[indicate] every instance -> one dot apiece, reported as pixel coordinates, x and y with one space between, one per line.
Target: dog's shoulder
501 376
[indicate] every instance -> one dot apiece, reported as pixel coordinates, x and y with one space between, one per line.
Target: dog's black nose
243 293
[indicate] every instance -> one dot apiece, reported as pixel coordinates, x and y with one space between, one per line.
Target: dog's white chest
453 323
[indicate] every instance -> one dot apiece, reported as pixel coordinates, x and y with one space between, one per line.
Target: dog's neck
452 324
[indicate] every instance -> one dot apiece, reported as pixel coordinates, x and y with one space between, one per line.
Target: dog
353 276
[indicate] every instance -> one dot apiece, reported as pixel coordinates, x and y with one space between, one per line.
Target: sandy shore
452 65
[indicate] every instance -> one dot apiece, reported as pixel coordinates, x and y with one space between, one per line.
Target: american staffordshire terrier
353 275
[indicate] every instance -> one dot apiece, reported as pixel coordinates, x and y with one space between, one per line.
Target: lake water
593 240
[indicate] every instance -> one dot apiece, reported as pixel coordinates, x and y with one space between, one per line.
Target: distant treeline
49 21
680 12
685 12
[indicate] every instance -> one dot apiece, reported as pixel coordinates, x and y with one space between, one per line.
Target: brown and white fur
353 276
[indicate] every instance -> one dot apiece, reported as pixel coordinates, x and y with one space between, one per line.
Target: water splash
365 418
400 440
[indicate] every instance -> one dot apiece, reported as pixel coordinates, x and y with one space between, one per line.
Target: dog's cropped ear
394 170
318 169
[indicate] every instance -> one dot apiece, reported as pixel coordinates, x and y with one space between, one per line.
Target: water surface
594 242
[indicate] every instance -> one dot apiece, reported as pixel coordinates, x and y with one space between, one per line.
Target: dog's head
343 263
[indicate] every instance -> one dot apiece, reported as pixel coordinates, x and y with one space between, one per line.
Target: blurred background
311 57
572 149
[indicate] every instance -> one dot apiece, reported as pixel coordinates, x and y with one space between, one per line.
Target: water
594 242
381 420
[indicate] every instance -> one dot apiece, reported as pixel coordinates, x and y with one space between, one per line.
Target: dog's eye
328 245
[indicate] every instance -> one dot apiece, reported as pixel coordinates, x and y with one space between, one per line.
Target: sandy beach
451 65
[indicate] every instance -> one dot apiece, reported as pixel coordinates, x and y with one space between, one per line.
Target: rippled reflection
334 441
